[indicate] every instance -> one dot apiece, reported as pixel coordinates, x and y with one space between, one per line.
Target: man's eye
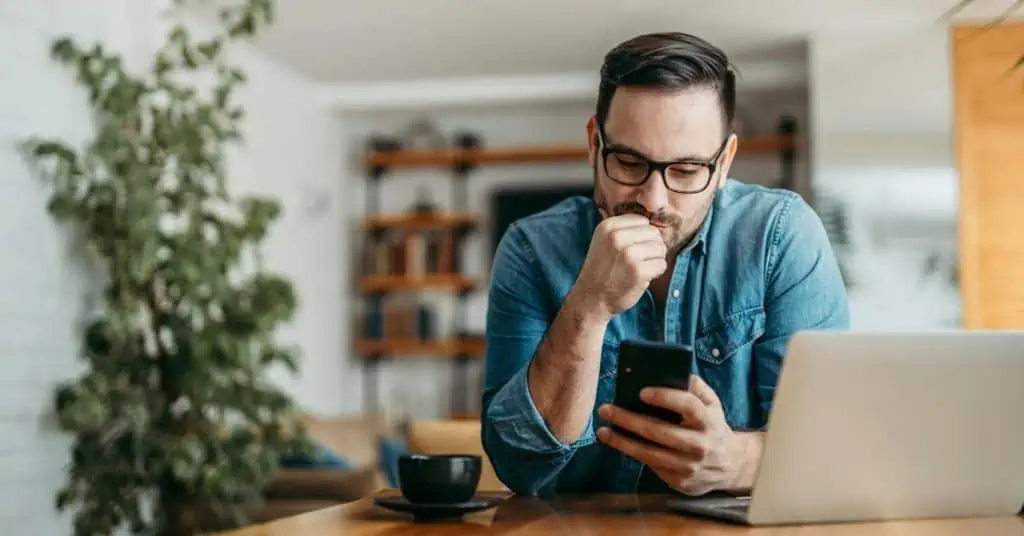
628 161
686 169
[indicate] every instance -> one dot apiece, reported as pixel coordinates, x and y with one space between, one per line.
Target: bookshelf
409 253
417 251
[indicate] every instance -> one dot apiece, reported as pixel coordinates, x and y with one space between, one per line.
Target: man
669 249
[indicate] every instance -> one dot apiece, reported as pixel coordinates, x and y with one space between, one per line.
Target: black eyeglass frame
662 166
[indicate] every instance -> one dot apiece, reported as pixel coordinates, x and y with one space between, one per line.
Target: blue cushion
390 450
324 458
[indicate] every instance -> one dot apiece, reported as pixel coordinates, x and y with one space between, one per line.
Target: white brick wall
292 153
41 293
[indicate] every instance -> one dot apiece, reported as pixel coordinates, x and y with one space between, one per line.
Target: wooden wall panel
989 143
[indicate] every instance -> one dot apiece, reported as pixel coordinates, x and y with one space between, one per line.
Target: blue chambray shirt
760 268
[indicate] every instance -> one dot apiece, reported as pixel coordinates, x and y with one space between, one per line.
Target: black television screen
511 204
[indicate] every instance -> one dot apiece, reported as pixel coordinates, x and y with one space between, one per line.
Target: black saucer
433 512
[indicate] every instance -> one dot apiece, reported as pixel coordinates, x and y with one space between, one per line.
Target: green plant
175 421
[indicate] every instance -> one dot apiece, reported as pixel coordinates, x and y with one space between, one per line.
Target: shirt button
675 293
715 352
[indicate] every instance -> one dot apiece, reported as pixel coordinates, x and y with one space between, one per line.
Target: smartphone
650 364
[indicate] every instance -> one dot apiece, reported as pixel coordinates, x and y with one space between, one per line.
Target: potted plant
175 422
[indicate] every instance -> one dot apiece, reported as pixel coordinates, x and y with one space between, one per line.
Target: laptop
884 426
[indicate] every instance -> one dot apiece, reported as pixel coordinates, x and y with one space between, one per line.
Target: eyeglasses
630 168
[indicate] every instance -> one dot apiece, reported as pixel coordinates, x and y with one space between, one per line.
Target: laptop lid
872 426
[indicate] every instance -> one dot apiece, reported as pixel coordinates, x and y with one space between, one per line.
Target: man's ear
592 140
725 160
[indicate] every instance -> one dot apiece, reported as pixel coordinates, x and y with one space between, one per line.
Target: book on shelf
400 319
412 254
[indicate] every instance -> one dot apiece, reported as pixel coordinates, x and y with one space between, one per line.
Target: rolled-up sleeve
804 291
525 454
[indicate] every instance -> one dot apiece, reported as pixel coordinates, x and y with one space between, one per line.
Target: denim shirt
760 268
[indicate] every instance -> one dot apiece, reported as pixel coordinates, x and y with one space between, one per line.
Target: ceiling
345 41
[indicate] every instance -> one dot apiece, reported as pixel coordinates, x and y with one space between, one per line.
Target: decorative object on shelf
177 427
465 139
423 134
385 144
424 203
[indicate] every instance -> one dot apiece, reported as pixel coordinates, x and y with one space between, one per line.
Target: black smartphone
650 364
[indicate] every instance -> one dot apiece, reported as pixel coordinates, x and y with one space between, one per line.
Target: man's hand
694 457
626 253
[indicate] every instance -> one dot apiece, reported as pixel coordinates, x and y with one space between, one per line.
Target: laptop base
730 509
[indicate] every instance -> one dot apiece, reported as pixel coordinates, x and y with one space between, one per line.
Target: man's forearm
749 458
563 374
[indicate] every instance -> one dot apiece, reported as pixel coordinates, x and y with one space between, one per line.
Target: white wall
882 140
42 293
292 152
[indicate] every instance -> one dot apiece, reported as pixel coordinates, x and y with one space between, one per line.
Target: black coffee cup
438 478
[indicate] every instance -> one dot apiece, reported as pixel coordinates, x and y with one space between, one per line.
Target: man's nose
652 194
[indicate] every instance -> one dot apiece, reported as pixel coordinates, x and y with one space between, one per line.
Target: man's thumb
703 391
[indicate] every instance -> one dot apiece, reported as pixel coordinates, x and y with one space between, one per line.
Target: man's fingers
703 391
644 251
694 412
669 435
627 235
624 220
651 269
651 455
648 259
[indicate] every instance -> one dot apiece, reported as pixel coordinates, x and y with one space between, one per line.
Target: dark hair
668 60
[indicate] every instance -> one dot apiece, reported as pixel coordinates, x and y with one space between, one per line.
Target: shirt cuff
520 425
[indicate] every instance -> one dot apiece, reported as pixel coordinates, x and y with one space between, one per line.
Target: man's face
661 126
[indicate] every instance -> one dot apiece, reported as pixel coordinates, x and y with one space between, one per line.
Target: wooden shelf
421 222
534 154
414 348
394 283
450 157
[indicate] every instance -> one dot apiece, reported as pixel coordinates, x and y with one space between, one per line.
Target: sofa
369 445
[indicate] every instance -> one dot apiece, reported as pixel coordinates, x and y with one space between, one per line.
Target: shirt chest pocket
734 336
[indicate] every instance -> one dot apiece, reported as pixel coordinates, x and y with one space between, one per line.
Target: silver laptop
882 426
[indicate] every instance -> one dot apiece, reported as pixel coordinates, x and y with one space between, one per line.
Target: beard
676 229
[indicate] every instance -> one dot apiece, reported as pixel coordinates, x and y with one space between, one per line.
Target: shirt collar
699 242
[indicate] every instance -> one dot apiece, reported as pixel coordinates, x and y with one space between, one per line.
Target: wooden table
592 516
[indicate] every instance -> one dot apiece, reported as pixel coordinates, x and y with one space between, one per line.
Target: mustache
632 207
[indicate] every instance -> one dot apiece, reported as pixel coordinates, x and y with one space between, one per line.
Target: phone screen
650 364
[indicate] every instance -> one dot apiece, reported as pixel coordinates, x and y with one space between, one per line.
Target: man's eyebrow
684 158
